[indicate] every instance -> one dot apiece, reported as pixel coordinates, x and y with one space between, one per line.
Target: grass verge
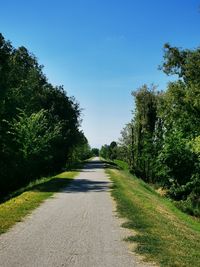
164 234
30 197
122 164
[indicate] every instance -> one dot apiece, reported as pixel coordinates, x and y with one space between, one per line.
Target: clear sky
101 50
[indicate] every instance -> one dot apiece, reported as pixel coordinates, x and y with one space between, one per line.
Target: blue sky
101 50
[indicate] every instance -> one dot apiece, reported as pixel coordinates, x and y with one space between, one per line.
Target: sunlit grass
164 234
122 164
30 197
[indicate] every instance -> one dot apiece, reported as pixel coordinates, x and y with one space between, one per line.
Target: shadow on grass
146 244
68 185
78 185
71 186
57 184
53 185
110 165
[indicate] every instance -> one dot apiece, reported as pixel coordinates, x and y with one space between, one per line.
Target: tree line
39 122
161 144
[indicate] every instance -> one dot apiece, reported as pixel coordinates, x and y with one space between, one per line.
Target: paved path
78 227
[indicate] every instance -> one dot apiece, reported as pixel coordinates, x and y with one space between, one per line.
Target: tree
144 127
179 161
5 52
184 63
104 152
39 123
95 152
34 137
126 145
162 140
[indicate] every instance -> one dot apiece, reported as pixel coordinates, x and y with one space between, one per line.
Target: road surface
78 227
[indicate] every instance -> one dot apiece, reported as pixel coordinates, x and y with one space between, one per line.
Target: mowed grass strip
30 197
164 234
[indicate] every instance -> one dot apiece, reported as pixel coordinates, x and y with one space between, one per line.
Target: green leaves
164 144
109 151
184 63
39 123
195 145
33 133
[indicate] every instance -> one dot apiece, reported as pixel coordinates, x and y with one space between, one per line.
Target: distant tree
144 127
104 152
113 150
109 151
81 151
126 146
95 152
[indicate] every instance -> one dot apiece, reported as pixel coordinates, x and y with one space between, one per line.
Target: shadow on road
92 165
69 185
84 185
54 185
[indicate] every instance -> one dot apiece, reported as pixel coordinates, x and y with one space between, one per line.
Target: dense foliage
162 143
39 123
109 151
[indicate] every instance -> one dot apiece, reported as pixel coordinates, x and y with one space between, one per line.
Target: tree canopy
161 143
39 123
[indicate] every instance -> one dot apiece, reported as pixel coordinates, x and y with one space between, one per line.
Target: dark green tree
95 152
145 117
39 123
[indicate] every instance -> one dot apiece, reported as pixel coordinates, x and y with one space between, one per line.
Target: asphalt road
78 227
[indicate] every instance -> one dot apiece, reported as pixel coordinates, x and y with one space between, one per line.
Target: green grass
122 164
164 234
30 197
